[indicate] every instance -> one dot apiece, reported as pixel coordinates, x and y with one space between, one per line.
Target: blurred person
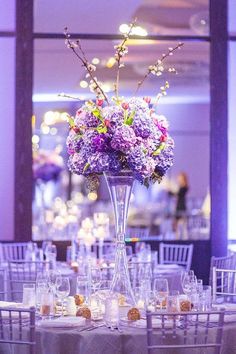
180 219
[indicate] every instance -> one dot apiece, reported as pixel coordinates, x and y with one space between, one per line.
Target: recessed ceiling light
136 30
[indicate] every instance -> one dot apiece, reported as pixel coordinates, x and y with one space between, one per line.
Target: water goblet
96 278
54 277
62 290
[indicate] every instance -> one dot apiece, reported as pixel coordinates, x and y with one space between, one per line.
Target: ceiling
57 70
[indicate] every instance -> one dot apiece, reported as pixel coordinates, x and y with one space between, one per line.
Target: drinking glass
46 303
199 286
206 298
173 304
62 289
96 278
54 277
83 287
160 290
29 295
189 284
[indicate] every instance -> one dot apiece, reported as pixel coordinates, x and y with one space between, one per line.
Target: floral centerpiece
122 138
47 166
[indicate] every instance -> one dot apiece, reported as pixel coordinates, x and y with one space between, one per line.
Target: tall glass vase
120 187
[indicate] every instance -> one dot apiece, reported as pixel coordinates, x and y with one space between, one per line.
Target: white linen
63 322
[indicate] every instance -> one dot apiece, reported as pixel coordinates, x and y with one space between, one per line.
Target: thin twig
68 96
84 62
158 62
119 56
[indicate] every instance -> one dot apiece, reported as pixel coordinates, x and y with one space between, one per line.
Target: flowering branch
157 68
121 50
95 85
68 96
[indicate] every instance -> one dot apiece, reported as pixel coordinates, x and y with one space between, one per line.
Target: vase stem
120 187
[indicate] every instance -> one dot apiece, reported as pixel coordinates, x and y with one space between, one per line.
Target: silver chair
176 254
186 334
227 262
12 251
3 284
224 284
22 272
17 327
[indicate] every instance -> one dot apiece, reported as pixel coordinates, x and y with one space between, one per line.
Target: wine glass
62 289
96 278
160 290
54 278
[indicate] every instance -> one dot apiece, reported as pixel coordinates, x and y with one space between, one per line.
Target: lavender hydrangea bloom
85 118
140 163
73 142
114 115
123 139
77 162
103 162
100 142
142 125
165 159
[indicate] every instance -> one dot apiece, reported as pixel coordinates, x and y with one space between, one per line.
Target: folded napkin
63 322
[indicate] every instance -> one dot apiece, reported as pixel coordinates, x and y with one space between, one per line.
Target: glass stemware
96 278
161 290
54 277
62 290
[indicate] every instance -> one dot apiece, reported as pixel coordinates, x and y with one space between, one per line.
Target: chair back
194 331
227 262
3 284
176 254
17 326
23 272
12 251
224 284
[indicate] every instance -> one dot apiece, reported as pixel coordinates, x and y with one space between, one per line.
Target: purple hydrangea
123 139
85 118
142 125
165 159
74 142
140 163
114 116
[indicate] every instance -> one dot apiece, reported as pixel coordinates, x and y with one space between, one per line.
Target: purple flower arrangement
128 135
47 166
111 135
